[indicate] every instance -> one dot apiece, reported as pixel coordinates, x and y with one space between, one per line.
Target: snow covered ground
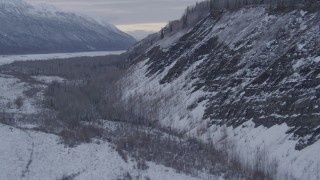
34 155
11 89
48 79
7 59
274 147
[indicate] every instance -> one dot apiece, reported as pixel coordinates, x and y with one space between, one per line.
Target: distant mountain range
44 29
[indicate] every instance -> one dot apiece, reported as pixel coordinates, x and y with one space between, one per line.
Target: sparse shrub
6 118
69 177
18 102
69 137
125 176
120 147
122 154
9 105
65 177
84 134
142 165
89 132
31 92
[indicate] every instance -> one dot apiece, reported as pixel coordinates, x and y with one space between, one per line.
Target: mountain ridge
43 29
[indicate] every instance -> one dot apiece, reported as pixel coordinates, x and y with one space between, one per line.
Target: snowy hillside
44 29
246 81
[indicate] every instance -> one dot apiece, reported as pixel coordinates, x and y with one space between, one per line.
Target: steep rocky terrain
251 76
44 29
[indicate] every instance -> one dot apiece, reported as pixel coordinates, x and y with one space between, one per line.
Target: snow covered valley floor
36 142
32 155
26 153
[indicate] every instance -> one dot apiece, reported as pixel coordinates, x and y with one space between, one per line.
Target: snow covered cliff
246 80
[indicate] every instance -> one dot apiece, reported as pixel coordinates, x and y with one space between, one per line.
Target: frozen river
6 59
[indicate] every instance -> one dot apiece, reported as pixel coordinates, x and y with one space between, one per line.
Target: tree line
194 14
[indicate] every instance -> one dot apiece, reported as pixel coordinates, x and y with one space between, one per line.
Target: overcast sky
128 15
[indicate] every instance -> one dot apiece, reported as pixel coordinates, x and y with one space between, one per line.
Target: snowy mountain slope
253 70
34 155
44 29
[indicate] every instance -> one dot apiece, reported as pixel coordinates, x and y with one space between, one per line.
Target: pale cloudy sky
133 16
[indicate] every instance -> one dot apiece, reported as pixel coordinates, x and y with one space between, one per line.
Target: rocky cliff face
252 75
28 29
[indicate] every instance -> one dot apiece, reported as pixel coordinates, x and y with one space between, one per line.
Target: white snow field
48 79
34 155
7 59
12 88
